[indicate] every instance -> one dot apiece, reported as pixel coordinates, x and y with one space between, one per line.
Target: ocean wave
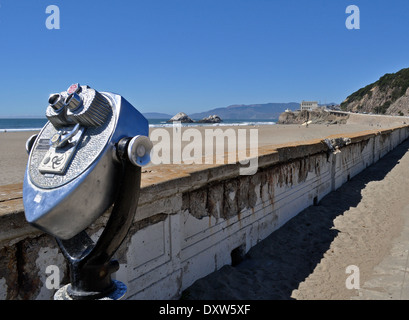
19 129
222 124
165 124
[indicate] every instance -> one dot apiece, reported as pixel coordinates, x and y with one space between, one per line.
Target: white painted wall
169 256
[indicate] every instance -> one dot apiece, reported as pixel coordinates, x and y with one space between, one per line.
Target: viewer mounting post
87 157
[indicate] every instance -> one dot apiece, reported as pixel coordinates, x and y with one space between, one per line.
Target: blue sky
194 55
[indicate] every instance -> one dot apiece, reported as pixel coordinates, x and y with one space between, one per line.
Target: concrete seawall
192 220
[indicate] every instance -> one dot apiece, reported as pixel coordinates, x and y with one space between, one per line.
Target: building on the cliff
308 105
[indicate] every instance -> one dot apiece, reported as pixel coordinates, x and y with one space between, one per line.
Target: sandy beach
13 156
307 258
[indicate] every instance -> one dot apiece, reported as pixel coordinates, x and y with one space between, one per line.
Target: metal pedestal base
90 262
117 294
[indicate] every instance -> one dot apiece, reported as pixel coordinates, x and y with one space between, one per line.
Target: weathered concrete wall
192 220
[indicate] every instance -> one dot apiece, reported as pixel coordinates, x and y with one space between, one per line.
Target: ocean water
242 122
31 124
21 124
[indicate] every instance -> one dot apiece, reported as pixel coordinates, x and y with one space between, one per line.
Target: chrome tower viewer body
73 169
86 158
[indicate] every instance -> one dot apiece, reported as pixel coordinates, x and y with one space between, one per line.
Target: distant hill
266 111
388 95
156 115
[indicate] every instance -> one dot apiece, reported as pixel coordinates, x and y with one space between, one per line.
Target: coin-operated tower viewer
86 158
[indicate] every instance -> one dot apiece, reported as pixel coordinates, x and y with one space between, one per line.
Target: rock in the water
211 119
182 117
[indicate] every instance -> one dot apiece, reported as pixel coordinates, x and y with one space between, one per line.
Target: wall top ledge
161 181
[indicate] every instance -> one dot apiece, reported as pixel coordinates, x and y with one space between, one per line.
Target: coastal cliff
389 95
319 116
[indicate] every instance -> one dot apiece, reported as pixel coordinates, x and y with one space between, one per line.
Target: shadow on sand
278 264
